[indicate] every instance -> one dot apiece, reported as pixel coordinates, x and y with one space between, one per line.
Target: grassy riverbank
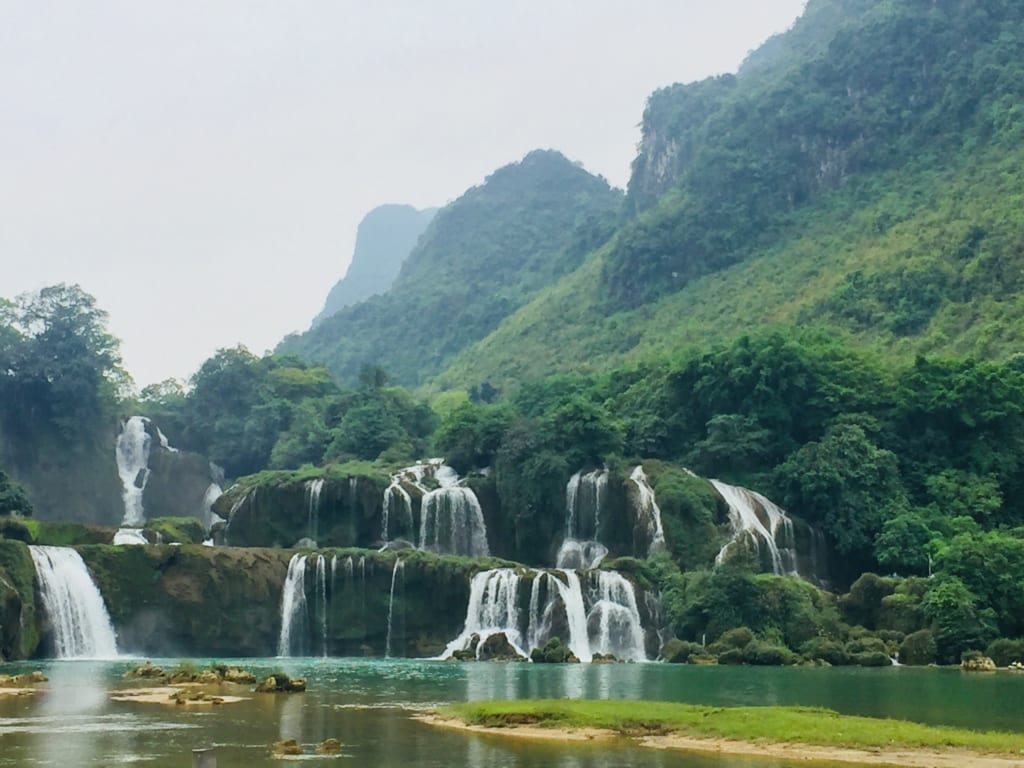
779 725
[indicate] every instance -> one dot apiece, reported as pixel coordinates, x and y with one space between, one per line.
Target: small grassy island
802 733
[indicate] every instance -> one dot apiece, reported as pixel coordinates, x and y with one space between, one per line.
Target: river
366 704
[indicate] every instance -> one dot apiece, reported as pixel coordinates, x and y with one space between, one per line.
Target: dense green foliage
60 384
746 151
12 497
384 239
481 258
249 413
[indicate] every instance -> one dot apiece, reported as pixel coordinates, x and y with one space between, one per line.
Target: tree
846 482
959 623
13 500
62 366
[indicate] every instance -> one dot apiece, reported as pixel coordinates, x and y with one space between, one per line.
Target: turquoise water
366 704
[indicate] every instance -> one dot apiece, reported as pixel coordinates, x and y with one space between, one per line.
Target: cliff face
19 633
205 601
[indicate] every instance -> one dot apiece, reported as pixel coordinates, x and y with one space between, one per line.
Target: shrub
918 648
828 650
680 651
734 639
1005 651
866 645
871 659
731 656
762 654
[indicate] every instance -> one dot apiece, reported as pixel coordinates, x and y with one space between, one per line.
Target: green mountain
860 174
384 239
481 258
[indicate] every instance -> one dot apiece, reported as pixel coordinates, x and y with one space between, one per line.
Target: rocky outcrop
19 632
977 664
213 601
277 509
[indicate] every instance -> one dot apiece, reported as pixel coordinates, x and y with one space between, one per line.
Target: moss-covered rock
191 600
553 652
278 509
19 632
175 530
214 601
497 648
692 514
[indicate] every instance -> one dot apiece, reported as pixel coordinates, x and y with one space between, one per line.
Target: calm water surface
366 704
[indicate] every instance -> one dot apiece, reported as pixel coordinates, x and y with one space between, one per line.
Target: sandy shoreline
163 694
952 758
4 692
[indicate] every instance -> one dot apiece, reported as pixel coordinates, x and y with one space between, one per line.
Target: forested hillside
481 258
383 241
861 173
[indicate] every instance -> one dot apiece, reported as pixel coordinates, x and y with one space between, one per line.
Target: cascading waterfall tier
598 614
451 520
313 490
132 452
294 610
585 498
74 606
647 514
452 523
761 525
396 571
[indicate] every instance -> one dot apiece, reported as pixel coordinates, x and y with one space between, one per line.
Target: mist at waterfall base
368 705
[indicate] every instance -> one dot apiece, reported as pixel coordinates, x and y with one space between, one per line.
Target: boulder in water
553 652
977 663
145 671
286 748
329 747
238 675
605 658
281 683
498 648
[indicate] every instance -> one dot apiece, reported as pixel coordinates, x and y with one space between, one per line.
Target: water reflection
366 704
75 706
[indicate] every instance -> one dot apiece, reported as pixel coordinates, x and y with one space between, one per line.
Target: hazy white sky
200 166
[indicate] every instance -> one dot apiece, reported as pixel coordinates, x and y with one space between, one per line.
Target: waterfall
605 618
391 605
321 598
396 500
613 623
451 522
313 490
294 611
648 514
585 497
78 617
132 453
206 513
756 521
129 536
580 555
163 441
493 607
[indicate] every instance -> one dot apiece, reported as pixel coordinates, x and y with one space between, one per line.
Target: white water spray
73 604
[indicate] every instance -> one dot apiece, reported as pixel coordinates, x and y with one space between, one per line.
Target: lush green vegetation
481 258
774 725
60 387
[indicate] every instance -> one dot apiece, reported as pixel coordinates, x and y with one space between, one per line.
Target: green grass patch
804 725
